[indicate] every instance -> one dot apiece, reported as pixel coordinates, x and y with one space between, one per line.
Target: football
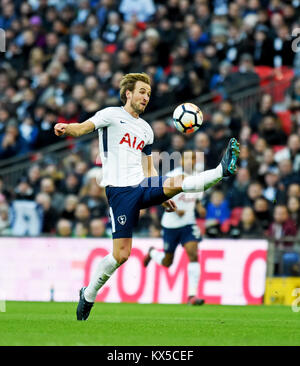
187 117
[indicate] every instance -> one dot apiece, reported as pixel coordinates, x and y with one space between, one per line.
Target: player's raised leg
201 182
104 270
191 249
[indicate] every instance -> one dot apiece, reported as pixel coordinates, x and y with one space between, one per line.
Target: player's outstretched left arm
74 129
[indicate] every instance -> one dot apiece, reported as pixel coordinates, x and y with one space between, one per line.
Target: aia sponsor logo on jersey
132 141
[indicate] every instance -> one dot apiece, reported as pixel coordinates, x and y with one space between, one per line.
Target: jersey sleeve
147 150
148 146
101 119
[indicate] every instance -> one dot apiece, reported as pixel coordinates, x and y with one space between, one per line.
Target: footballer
130 179
179 227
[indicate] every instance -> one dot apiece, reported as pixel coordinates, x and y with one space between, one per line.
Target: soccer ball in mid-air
187 118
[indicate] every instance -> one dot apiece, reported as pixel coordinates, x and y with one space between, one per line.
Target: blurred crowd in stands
63 62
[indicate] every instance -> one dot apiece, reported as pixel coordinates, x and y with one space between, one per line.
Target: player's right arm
101 119
74 129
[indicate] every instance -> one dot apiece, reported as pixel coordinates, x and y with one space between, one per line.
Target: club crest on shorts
122 219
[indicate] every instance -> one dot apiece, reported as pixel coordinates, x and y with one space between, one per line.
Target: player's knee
193 257
173 185
167 262
122 257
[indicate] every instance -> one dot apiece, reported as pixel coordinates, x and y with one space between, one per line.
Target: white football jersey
122 138
184 201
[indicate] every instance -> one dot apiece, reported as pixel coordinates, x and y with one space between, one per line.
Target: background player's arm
148 166
74 129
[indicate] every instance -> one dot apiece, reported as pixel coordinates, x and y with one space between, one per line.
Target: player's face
140 97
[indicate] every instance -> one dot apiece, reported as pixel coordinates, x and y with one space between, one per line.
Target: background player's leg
191 249
107 266
167 259
159 257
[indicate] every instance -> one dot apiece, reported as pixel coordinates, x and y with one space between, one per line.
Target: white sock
157 256
105 269
201 182
193 278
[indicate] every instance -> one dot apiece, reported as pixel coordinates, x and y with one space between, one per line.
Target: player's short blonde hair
128 83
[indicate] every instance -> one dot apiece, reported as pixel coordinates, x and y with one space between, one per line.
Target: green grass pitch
37 323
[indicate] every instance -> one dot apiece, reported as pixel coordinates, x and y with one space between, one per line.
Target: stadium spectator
265 108
4 117
220 81
28 132
267 162
70 204
178 81
197 38
5 228
284 54
260 147
254 191
293 205
94 197
272 191
203 145
219 137
248 161
80 230
218 207
5 193
50 214
237 194
82 213
141 11
97 229
47 185
287 176
232 117
263 51
11 143
70 185
45 125
271 131
263 212
162 139
64 228
292 152
26 213
248 227
282 226
294 190
245 76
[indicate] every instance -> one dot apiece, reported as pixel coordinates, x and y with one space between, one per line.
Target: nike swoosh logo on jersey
122 122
